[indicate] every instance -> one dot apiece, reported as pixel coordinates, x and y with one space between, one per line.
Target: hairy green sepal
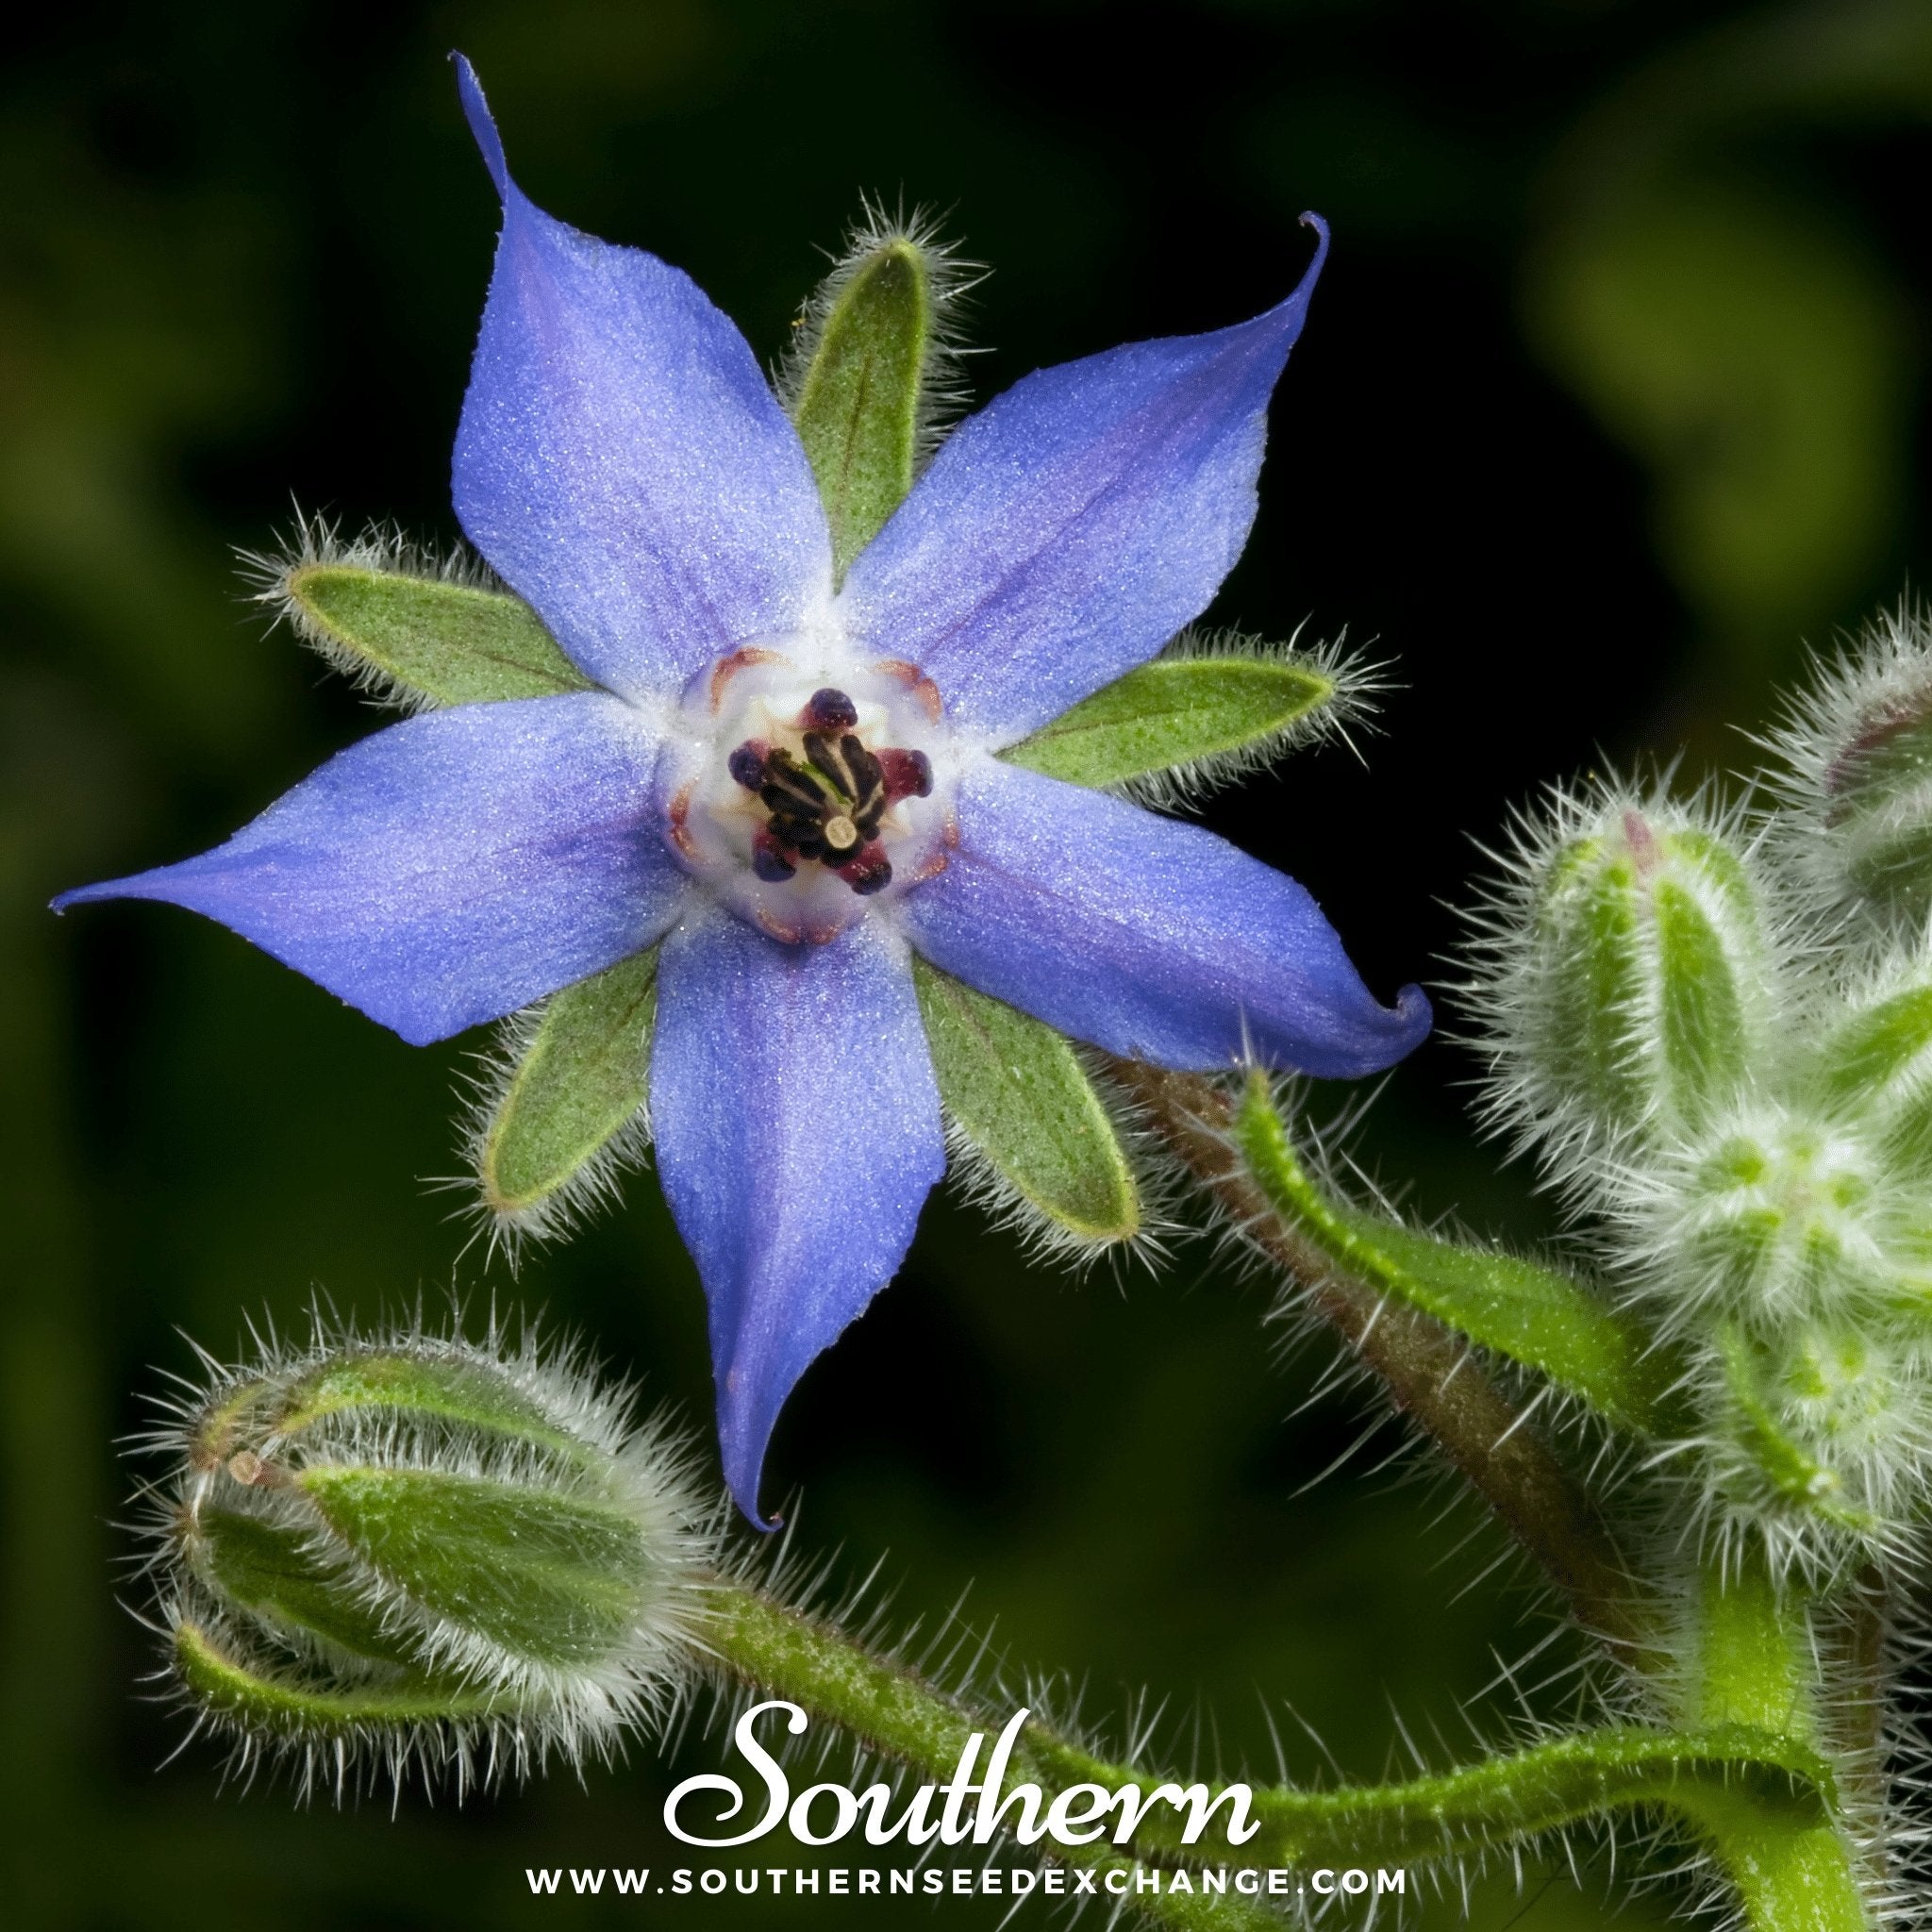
1876 1065
449 1389
857 406
1018 1092
1878 816
282 1702
1792 1473
427 639
579 1084
1176 711
273 1573
1516 1308
552 1577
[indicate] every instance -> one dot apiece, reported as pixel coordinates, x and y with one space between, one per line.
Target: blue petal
1151 939
1072 527
452 867
622 460
797 1132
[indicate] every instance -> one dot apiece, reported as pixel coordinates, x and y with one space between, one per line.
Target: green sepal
557 1578
427 639
1794 1476
1017 1091
1869 1054
1178 711
580 1082
1702 1008
1589 921
282 1703
1877 821
1521 1309
1877 1065
271 1571
858 402
395 1382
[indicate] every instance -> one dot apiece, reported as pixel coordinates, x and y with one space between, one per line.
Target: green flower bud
417 1550
1775 1216
1631 975
1820 1443
1859 752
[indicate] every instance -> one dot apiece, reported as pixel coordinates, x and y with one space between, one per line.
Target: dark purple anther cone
771 863
830 710
907 774
747 765
870 872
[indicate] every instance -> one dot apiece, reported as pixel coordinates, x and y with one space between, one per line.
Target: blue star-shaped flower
791 783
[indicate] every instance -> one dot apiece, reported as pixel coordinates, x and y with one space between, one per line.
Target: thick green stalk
1793 1866
1763 1794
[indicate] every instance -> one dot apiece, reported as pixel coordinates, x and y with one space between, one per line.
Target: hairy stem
887 1707
1794 1866
1425 1368
1760 1799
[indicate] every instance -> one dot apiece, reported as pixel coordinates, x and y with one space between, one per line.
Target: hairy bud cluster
1715 1028
415 1550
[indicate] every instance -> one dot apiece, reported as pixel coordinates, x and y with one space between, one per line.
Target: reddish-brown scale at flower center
824 807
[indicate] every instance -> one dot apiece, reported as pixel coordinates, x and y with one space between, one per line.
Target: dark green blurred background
1614 394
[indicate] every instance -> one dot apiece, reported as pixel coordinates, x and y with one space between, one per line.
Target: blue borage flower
791 782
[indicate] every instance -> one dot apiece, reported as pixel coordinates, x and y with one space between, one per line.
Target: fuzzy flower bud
1777 1215
418 1550
1631 973
1820 1440
1858 785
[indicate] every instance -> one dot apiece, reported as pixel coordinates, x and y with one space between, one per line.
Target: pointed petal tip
1369 1038
1312 274
127 888
743 1441
746 1496
482 125
1413 1016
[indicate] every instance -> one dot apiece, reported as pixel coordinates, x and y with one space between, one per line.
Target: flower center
797 799
827 800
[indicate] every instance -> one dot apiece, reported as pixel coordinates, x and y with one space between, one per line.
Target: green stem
889 1708
1793 1866
1532 1314
1425 1367
1761 1798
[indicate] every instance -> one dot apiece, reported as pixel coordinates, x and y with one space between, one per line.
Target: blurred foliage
1611 395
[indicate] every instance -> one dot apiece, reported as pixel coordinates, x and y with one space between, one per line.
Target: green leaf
283 1704
1177 710
580 1083
858 402
1518 1309
1017 1091
441 642
557 1578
